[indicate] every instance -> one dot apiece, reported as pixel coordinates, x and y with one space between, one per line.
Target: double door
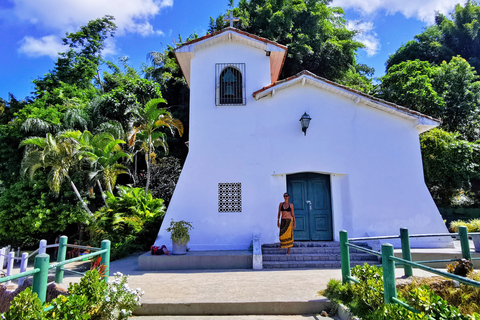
310 195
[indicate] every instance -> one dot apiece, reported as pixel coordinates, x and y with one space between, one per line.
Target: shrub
472 225
130 221
365 299
92 298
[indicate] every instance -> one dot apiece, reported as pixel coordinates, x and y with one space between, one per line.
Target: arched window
230 84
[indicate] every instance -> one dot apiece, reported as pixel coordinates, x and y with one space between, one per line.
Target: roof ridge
366 96
211 35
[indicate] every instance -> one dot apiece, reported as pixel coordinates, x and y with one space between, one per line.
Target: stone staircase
312 254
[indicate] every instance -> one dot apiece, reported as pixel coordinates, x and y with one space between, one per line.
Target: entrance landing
197 260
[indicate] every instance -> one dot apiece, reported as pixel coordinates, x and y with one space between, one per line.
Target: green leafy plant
472 225
130 221
179 231
25 306
365 298
92 298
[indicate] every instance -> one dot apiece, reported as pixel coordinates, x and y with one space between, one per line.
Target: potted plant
472 226
179 233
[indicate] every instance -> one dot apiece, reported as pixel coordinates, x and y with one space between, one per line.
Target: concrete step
296 244
316 257
233 308
308 250
237 317
326 264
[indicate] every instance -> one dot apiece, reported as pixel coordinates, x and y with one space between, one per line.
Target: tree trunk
147 157
81 200
103 196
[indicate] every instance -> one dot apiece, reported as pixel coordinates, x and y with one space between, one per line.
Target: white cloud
45 46
423 10
130 15
366 36
60 16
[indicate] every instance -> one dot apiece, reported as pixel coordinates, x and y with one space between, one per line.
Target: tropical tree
316 34
79 66
103 152
60 153
449 91
448 37
148 120
450 163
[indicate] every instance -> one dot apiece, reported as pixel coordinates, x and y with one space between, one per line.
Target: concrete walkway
187 295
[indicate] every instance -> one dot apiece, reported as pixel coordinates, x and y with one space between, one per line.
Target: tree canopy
315 34
448 37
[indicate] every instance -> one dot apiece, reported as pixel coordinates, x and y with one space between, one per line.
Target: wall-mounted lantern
305 122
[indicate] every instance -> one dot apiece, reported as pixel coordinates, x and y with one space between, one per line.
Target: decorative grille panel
230 197
230 84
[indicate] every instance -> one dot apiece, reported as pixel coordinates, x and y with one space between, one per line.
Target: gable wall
373 159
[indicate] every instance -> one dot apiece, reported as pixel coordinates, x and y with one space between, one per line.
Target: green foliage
146 130
447 38
426 301
449 163
180 231
25 306
472 225
450 92
92 299
30 212
130 220
122 90
365 299
79 65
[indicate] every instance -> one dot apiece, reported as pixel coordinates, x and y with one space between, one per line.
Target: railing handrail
440 273
389 259
19 275
42 264
411 236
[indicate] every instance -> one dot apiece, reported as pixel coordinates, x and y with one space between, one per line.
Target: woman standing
286 223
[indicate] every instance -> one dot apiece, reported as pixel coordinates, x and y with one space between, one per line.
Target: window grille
230 197
230 84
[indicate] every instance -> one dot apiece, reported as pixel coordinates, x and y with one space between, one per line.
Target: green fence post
389 288
406 254
40 279
462 232
106 258
345 256
61 255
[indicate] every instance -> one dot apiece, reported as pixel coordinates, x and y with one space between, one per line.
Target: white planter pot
476 242
178 248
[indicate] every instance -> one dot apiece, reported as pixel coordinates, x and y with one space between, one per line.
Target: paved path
230 286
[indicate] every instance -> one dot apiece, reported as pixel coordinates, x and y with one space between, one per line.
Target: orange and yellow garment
286 233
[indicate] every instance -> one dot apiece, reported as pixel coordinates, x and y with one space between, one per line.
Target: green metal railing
42 265
388 261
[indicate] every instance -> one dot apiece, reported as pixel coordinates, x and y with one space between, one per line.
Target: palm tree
103 152
60 154
145 129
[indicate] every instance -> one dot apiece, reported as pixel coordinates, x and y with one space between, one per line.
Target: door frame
309 177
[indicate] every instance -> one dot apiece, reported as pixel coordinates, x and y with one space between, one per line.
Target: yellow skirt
286 233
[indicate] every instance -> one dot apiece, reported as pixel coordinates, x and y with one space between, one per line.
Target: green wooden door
310 195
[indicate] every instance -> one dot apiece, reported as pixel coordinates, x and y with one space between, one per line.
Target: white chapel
357 166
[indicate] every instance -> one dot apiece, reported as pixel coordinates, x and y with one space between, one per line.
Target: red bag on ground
157 251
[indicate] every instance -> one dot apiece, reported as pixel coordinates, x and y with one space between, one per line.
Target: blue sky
31 30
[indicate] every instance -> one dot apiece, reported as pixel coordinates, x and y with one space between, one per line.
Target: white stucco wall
373 159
